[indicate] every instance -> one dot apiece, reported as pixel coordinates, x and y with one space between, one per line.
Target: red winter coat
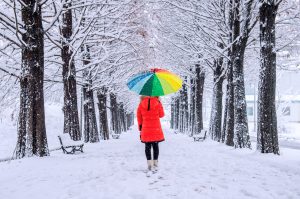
149 113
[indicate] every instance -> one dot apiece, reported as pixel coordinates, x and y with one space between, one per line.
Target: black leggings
148 146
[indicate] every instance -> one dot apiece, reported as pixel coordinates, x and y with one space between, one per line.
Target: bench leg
73 149
63 149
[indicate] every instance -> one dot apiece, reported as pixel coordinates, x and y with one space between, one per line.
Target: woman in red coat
149 112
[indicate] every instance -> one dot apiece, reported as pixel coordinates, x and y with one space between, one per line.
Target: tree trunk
216 111
114 114
228 122
192 106
122 117
267 135
32 139
71 120
177 113
90 122
102 99
223 136
112 111
241 133
181 111
185 105
229 116
199 86
172 113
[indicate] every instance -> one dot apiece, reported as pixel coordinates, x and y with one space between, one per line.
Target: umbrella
156 82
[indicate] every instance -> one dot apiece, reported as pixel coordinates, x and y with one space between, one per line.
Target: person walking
149 112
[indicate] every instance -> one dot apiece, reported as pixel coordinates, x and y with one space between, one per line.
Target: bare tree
32 138
90 123
242 25
199 84
102 105
71 120
267 135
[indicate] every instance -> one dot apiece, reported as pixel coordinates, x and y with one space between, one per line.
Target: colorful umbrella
156 82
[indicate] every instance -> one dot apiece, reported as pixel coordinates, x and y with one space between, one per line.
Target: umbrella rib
137 79
138 87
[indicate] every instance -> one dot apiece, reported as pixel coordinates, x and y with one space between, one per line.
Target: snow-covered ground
115 169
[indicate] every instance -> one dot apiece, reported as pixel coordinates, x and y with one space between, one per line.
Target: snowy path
114 169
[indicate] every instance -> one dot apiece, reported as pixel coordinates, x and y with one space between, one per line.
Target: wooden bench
66 143
200 137
115 136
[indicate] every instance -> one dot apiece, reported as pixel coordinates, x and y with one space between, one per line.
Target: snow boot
149 168
155 166
150 164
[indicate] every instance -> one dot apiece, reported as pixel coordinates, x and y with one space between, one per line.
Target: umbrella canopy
156 82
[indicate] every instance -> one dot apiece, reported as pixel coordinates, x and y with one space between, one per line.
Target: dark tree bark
199 86
32 138
228 122
172 113
229 114
113 102
177 113
216 111
119 122
192 105
241 136
267 135
114 114
122 120
90 122
240 38
102 104
223 135
185 105
71 120
181 111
